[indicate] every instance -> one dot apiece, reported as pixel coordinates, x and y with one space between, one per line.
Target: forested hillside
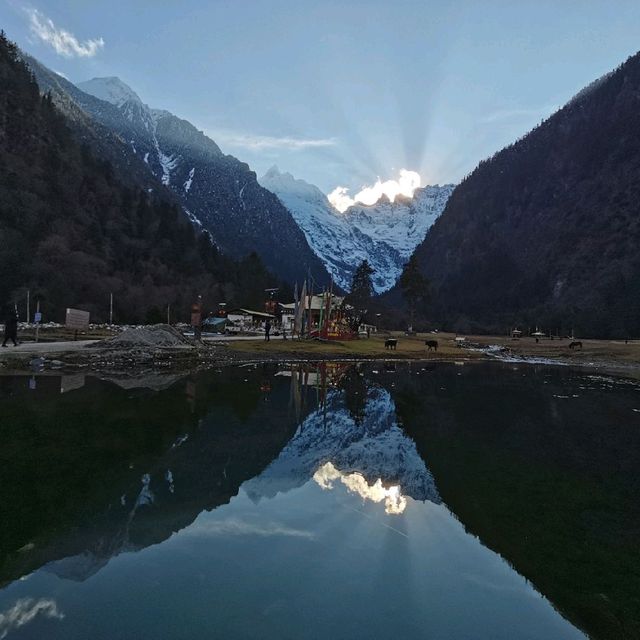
547 232
71 232
166 153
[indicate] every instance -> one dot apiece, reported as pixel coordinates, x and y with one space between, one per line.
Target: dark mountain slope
218 192
547 231
76 106
72 232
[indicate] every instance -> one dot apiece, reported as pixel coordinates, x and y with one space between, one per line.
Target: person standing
267 329
196 319
10 327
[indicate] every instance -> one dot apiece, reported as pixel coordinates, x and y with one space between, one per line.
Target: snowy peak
284 183
384 233
110 89
366 456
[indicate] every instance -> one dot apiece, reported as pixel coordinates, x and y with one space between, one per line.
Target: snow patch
189 180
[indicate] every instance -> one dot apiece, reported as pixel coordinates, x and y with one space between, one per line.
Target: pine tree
361 286
415 287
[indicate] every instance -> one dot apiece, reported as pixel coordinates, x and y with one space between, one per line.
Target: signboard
77 319
37 317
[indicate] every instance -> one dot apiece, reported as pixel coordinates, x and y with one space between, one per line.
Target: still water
379 501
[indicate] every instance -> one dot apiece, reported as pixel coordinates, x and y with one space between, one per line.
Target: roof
315 303
249 312
214 321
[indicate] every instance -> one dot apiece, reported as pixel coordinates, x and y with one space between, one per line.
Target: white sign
37 317
77 319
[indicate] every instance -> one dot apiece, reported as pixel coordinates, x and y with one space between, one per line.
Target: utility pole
168 314
37 319
28 305
111 308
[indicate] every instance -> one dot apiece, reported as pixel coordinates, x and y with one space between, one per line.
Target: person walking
10 327
267 330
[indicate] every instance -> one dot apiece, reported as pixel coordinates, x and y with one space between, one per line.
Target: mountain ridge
385 233
546 231
223 196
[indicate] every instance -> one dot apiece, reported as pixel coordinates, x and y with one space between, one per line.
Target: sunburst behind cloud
405 185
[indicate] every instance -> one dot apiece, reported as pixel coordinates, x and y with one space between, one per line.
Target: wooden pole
37 323
111 308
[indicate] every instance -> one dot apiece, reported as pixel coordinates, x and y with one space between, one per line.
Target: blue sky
340 93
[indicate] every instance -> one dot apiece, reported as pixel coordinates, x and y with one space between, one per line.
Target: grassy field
373 347
604 352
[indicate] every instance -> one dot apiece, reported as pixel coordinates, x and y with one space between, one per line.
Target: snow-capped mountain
216 191
385 233
368 457
111 90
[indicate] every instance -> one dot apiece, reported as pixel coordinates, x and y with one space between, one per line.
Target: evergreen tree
415 287
361 287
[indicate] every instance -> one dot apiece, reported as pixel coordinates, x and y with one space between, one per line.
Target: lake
386 500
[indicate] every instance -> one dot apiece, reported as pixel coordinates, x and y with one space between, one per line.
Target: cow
574 344
390 343
431 344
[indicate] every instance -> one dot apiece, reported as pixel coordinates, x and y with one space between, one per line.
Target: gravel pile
157 335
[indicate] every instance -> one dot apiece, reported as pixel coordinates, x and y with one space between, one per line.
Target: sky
340 93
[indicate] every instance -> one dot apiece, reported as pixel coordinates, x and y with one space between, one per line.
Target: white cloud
63 42
394 502
24 611
258 143
405 185
62 75
236 527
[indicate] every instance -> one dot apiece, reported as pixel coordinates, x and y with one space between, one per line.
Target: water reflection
352 436
394 501
236 499
24 611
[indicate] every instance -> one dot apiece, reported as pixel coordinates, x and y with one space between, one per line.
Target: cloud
405 185
62 75
260 143
394 502
24 611
233 526
63 42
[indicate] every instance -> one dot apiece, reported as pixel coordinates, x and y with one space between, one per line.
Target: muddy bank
162 349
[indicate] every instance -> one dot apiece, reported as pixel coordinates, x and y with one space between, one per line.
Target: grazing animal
574 344
431 344
390 343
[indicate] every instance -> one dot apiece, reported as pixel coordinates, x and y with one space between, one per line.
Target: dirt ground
592 352
603 355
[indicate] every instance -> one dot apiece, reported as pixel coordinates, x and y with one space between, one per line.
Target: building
247 321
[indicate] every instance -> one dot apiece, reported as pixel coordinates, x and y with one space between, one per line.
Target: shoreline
88 357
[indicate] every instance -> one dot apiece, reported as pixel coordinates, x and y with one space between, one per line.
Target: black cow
431 344
390 343
575 343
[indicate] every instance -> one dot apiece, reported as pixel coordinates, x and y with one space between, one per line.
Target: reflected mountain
111 470
541 463
370 454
